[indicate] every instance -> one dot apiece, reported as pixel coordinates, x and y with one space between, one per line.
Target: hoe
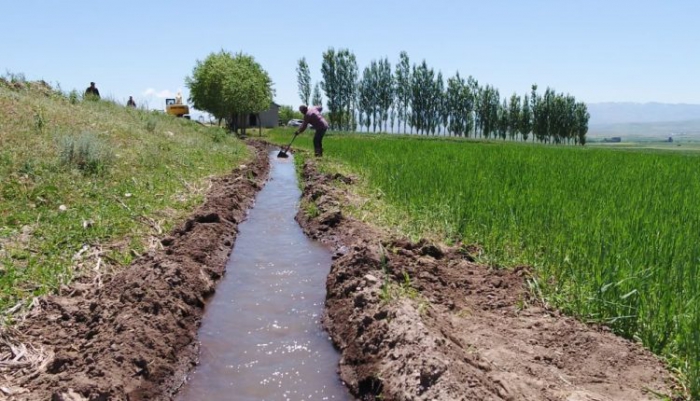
283 152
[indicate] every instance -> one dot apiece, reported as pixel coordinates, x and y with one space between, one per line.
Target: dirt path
132 337
419 322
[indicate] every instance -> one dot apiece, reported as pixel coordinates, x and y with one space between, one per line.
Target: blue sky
614 50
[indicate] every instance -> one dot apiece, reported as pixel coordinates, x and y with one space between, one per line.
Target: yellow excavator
176 108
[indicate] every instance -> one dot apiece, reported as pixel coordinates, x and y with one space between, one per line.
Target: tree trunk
232 123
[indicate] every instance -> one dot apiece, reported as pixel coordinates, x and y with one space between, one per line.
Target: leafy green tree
545 115
332 87
443 114
565 119
502 123
316 99
473 99
459 105
581 122
385 90
418 97
525 122
422 92
558 118
366 99
230 87
432 116
402 77
513 116
494 109
289 113
304 80
339 70
434 109
570 126
376 95
453 103
535 122
375 112
556 109
348 79
488 110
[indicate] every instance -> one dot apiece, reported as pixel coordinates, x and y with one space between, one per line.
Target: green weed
151 124
39 120
218 135
87 152
311 209
73 97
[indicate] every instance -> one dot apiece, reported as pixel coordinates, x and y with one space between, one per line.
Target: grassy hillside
88 185
612 235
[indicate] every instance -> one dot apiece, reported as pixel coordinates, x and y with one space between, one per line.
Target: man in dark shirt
130 102
312 115
92 92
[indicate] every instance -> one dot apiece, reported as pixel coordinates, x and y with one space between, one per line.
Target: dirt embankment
132 337
415 321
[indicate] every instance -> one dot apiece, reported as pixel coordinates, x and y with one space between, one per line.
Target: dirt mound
416 321
133 337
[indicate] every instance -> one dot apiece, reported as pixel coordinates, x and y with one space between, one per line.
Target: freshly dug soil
134 336
417 321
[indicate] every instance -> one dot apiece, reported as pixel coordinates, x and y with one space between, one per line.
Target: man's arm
303 125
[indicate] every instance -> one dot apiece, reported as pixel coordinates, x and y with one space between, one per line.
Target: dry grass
19 362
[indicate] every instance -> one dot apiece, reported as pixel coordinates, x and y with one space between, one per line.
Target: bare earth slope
418 322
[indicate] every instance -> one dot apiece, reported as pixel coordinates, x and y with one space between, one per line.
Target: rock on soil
417 321
133 337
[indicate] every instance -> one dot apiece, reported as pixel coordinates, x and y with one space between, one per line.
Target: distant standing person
312 115
91 92
130 102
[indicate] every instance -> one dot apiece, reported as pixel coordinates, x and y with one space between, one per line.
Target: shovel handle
293 138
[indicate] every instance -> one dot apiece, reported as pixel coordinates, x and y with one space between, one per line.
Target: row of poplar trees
413 98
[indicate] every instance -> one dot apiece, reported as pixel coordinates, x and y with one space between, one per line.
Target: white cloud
165 93
153 99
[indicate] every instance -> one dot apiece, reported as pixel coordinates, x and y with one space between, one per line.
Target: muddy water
261 338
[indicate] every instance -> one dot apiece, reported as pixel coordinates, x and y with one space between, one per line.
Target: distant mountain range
644 121
617 113
688 129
